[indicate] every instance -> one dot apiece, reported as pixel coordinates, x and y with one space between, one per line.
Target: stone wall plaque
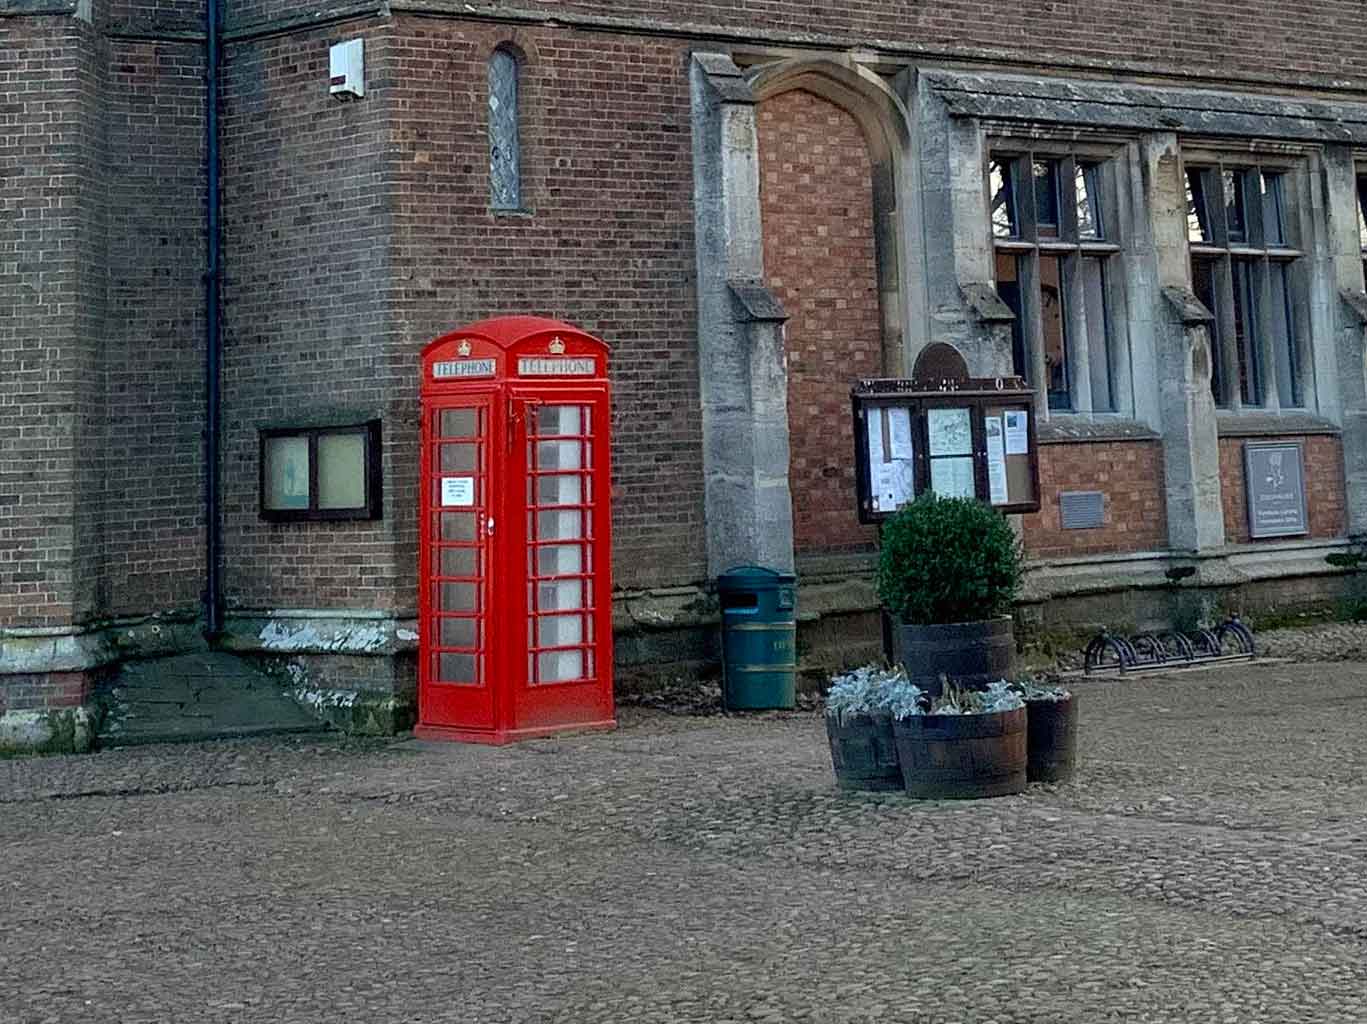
1274 476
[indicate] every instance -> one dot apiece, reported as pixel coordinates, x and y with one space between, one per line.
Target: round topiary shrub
948 560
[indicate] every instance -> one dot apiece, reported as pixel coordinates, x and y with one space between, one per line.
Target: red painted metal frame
481 364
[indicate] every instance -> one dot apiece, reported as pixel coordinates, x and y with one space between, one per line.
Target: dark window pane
1098 336
1198 207
1283 333
1362 211
1246 333
1087 186
1274 214
505 156
1233 181
1004 222
1046 198
1055 336
1203 283
1008 287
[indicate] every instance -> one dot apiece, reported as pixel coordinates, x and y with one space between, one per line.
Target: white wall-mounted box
347 63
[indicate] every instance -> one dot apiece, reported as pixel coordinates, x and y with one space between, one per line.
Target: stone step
197 697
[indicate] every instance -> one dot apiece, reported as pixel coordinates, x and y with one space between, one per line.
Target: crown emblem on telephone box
557 347
464 348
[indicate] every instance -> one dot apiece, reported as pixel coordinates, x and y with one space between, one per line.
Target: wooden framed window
321 473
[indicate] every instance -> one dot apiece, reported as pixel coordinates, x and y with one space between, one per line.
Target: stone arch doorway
828 172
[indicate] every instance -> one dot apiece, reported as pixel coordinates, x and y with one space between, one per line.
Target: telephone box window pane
341 471
459 562
560 596
1054 324
1284 338
458 526
1198 207
1046 198
456 668
1004 221
1088 202
562 490
560 455
1233 181
1274 215
560 666
458 597
459 423
287 473
568 525
462 633
561 421
560 560
505 146
459 458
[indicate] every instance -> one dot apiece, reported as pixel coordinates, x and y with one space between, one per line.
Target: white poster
458 491
953 478
996 461
1018 433
875 442
899 431
893 486
950 430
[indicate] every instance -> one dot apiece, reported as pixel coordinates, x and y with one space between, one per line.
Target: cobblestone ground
1209 865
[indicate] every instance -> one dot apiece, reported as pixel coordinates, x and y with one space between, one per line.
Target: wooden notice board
970 438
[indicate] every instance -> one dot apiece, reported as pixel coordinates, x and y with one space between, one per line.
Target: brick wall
1129 473
607 244
43 690
307 215
1324 486
154 338
1214 38
52 302
816 189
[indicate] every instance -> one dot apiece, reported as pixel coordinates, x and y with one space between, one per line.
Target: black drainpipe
213 540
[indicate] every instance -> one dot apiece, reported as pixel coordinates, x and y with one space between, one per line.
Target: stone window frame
1294 252
1114 246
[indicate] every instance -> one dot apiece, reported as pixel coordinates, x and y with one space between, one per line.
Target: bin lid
754 577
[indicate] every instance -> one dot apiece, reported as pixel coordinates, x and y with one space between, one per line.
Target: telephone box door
459 483
563 458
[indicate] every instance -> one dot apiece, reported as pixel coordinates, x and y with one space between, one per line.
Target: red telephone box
516 548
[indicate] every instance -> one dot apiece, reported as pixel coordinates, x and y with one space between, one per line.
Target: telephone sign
515 546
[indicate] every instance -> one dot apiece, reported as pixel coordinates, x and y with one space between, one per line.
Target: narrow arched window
505 148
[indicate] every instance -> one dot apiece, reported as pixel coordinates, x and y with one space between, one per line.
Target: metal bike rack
1110 652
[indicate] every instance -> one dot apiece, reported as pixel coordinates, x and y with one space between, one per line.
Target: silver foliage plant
1031 690
873 690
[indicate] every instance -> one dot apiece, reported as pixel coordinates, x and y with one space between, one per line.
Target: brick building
754 203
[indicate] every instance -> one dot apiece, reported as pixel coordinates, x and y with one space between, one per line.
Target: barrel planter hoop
1052 739
962 757
864 752
969 654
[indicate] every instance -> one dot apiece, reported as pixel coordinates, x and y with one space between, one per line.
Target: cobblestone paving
1209 865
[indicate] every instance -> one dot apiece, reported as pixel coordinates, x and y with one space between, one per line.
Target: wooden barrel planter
864 752
962 757
1051 739
970 654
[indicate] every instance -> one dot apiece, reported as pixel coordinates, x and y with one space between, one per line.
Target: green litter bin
758 638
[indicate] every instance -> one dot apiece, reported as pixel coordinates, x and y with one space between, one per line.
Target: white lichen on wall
277 636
